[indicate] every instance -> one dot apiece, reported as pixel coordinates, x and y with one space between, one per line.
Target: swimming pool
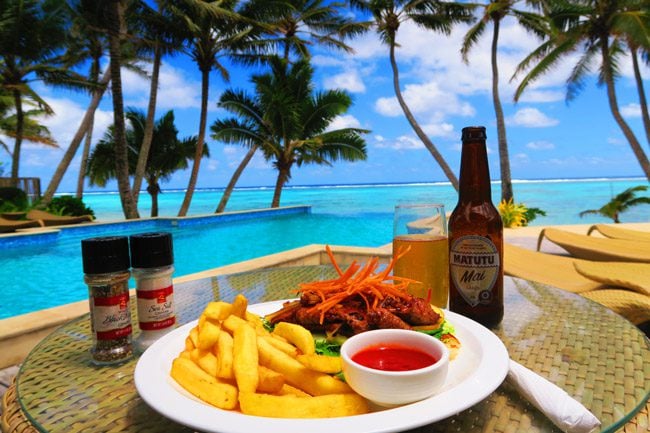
46 271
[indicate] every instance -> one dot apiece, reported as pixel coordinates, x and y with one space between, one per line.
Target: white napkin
565 412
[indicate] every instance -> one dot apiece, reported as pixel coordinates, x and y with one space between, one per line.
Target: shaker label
111 317
474 267
156 308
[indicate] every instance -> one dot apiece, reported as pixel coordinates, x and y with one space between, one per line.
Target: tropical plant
116 29
512 214
214 31
594 28
495 11
69 205
292 26
620 203
434 15
13 199
288 121
161 34
32 34
167 154
86 43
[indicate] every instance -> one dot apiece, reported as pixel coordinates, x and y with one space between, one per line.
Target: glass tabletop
595 355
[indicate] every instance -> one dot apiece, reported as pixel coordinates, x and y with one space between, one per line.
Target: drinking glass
422 228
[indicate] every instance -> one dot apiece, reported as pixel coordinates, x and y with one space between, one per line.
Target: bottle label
156 308
111 317
474 268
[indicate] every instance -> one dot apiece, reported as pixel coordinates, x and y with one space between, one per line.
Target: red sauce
393 357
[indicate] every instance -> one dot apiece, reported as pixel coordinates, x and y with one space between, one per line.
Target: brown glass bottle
476 238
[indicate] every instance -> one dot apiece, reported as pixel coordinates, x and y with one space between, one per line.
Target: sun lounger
49 219
598 249
562 272
616 232
633 276
8 226
551 269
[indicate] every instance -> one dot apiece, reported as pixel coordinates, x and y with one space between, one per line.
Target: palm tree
31 55
32 130
620 203
431 14
213 32
495 11
86 42
162 35
594 27
289 122
116 30
167 154
292 26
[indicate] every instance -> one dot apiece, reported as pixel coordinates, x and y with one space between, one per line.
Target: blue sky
547 137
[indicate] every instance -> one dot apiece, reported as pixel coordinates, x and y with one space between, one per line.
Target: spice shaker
106 269
152 260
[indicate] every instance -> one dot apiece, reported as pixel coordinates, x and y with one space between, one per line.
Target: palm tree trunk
233 180
642 98
283 175
121 151
504 158
154 189
84 127
613 105
149 124
20 125
85 152
416 127
205 86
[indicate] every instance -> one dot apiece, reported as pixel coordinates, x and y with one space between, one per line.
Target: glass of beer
422 230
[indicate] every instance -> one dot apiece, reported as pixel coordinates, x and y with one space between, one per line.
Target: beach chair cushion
633 276
615 232
595 248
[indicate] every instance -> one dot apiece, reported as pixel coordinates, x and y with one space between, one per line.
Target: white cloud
349 80
175 89
540 145
344 121
531 118
404 142
631 110
68 116
537 95
439 129
427 98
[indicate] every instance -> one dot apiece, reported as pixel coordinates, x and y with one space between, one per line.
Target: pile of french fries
232 362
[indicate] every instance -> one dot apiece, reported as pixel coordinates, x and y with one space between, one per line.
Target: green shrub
69 205
13 199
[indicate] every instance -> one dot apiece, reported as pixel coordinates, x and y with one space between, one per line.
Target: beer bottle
476 238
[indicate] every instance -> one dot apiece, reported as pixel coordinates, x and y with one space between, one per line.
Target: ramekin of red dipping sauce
392 367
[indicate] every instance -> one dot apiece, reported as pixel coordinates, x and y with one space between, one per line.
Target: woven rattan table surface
595 355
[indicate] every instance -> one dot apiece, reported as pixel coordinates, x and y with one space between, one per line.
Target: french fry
296 335
223 351
200 384
189 345
292 390
289 406
322 363
232 322
245 358
296 374
208 363
239 306
185 354
271 382
194 336
284 346
218 310
208 333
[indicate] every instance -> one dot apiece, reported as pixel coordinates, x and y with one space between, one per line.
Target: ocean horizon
561 198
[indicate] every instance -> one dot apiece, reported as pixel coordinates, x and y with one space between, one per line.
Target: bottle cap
106 254
474 133
151 250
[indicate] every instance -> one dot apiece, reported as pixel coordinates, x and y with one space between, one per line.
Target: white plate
479 369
